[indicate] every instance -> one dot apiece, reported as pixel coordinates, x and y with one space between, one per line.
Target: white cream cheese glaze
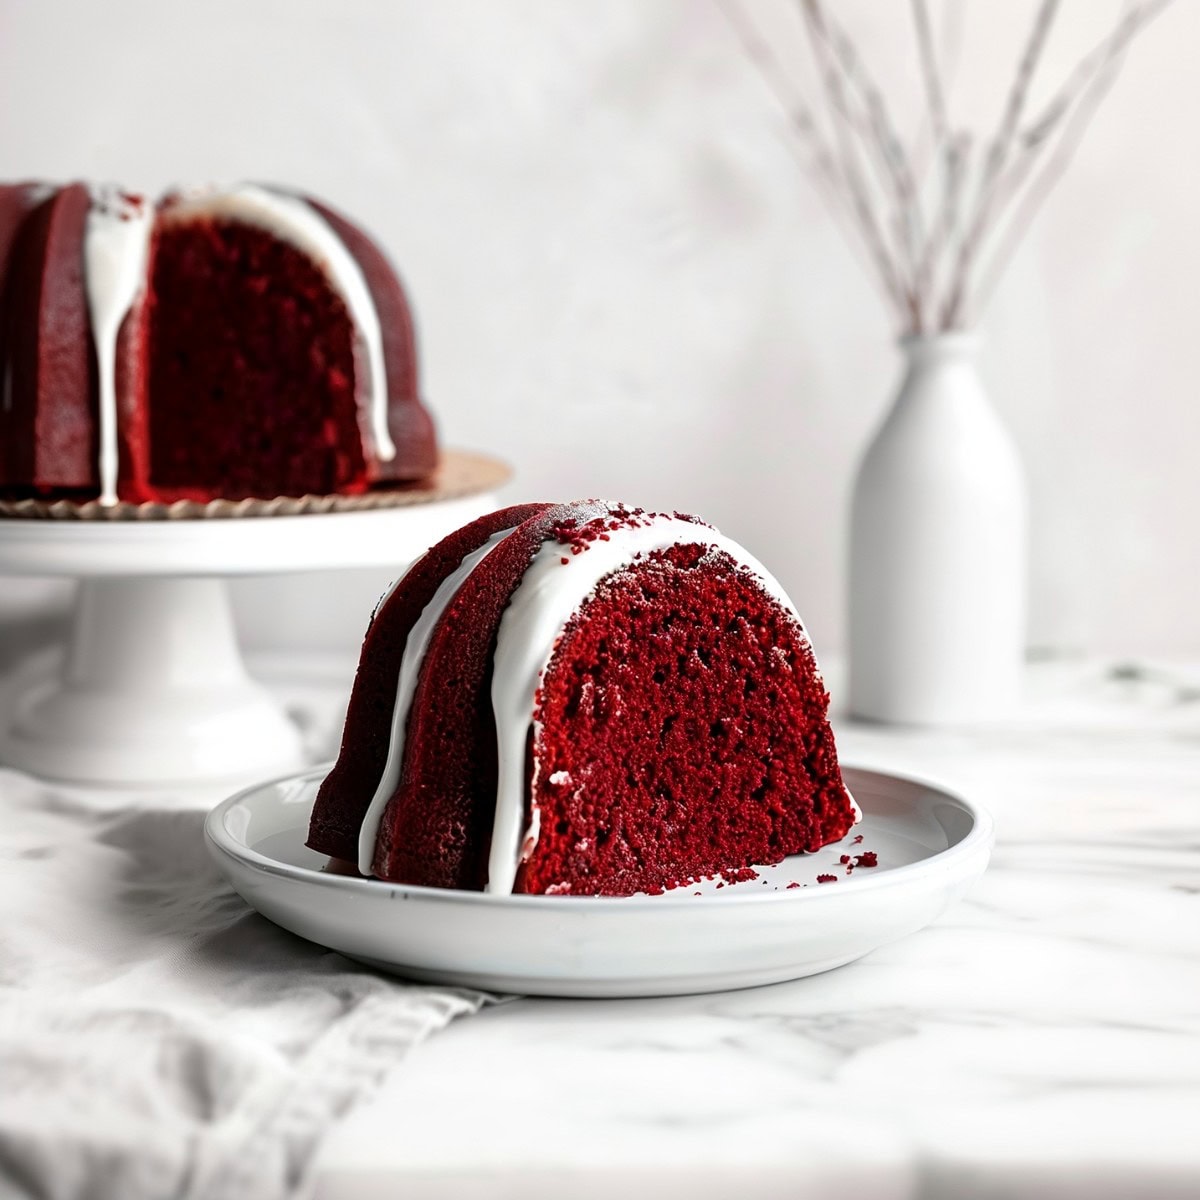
116 241
547 597
410 668
293 220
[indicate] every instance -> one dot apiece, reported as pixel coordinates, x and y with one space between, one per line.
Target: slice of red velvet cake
584 699
224 342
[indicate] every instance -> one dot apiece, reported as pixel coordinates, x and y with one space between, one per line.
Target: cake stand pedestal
153 690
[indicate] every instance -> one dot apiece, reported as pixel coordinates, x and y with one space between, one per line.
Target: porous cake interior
237 319
682 732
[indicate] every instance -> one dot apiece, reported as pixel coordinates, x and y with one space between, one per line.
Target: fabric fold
157 1037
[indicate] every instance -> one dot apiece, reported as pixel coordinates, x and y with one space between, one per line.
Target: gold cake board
458 473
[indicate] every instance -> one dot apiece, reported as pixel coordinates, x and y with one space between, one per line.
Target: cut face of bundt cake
583 699
224 342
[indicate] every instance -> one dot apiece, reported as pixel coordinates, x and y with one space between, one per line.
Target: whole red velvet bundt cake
222 342
582 698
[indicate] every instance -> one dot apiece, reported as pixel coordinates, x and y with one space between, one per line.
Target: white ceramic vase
938 549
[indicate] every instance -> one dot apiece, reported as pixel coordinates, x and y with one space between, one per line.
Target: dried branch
1086 88
941 149
957 161
821 169
1019 92
935 95
883 144
860 161
1137 16
945 58
797 109
997 156
843 123
759 51
952 38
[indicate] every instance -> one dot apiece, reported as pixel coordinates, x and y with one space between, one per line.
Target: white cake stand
153 690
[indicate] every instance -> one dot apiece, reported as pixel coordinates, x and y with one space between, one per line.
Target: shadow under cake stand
153 689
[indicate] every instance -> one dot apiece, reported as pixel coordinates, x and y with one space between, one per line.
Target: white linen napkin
157 1037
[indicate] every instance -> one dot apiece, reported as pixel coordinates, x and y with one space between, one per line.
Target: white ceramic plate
929 843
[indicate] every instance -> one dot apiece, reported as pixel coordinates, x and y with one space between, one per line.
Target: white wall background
625 286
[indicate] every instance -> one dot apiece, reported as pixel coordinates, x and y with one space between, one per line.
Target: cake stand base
152 691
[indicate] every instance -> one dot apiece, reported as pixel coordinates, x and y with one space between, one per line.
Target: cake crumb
740 874
792 885
827 879
868 858
844 859
858 840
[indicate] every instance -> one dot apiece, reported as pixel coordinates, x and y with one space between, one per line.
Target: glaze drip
406 684
116 244
116 248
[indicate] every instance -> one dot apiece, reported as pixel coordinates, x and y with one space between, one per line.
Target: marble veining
1040 1039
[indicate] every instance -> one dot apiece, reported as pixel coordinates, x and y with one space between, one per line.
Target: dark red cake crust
409 421
48 412
347 790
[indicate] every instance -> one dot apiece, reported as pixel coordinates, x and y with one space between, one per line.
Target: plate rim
980 838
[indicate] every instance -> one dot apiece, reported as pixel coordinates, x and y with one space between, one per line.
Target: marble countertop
1040 1039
